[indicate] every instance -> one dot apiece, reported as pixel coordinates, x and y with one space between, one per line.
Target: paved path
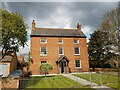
85 82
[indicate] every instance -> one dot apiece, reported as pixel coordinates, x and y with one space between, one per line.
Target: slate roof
7 58
56 32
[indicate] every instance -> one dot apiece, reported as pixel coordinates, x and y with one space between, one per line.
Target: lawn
108 80
57 81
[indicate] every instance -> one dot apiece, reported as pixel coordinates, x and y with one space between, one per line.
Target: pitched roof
62 57
56 32
7 58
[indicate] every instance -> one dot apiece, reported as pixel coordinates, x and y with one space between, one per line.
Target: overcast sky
61 14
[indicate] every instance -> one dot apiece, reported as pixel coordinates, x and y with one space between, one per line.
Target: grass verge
108 80
57 81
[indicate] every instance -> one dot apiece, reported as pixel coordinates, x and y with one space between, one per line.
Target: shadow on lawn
32 81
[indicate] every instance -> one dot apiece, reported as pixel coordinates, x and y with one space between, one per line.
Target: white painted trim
75 39
62 51
43 54
75 63
43 42
74 52
59 42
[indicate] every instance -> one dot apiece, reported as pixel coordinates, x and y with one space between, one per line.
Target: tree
14 34
111 27
104 42
45 67
95 49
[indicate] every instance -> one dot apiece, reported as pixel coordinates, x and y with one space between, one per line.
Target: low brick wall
10 83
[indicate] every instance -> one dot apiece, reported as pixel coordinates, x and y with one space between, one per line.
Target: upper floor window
43 51
76 51
60 51
76 41
43 40
77 63
60 41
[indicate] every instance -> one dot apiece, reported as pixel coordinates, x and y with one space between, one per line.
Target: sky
61 15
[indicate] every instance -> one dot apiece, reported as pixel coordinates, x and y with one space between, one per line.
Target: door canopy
62 58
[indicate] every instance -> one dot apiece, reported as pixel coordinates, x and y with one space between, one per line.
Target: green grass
108 80
57 81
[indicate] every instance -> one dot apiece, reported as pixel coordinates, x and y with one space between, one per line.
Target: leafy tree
111 27
45 67
14 34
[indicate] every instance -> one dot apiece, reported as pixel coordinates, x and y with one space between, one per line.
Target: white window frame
75 63
74 51
60 42
43 54
62 51
42 60
77 41
43 42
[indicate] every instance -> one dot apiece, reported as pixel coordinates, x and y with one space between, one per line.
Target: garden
56 81
109 80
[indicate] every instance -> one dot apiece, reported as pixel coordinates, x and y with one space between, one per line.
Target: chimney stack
78 26
33 25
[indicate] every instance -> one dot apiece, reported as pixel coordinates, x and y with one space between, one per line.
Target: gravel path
85 82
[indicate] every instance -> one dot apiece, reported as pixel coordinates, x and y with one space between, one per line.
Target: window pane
76 41
43 40
43 50
60 41
43 62
76 50
77 63
60 50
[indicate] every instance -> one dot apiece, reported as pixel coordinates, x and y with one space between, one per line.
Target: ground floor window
77 63
43 62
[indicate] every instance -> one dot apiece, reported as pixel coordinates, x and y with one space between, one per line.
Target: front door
63 65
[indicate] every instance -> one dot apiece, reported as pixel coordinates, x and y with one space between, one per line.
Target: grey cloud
87 13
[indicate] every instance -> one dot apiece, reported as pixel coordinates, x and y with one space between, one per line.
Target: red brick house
65 49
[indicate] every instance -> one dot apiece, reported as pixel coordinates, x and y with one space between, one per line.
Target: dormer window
43 40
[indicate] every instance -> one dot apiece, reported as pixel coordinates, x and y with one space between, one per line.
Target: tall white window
76 51
60 41
77 63
60 51
76 41
43 40
43 51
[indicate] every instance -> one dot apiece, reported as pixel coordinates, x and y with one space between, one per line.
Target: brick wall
13 63
9 83
52 54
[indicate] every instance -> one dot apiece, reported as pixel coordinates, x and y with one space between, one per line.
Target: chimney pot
78 26
33 25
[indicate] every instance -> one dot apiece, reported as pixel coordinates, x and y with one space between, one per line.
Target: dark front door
63 65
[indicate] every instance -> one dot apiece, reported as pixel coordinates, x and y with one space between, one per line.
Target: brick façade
52 56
